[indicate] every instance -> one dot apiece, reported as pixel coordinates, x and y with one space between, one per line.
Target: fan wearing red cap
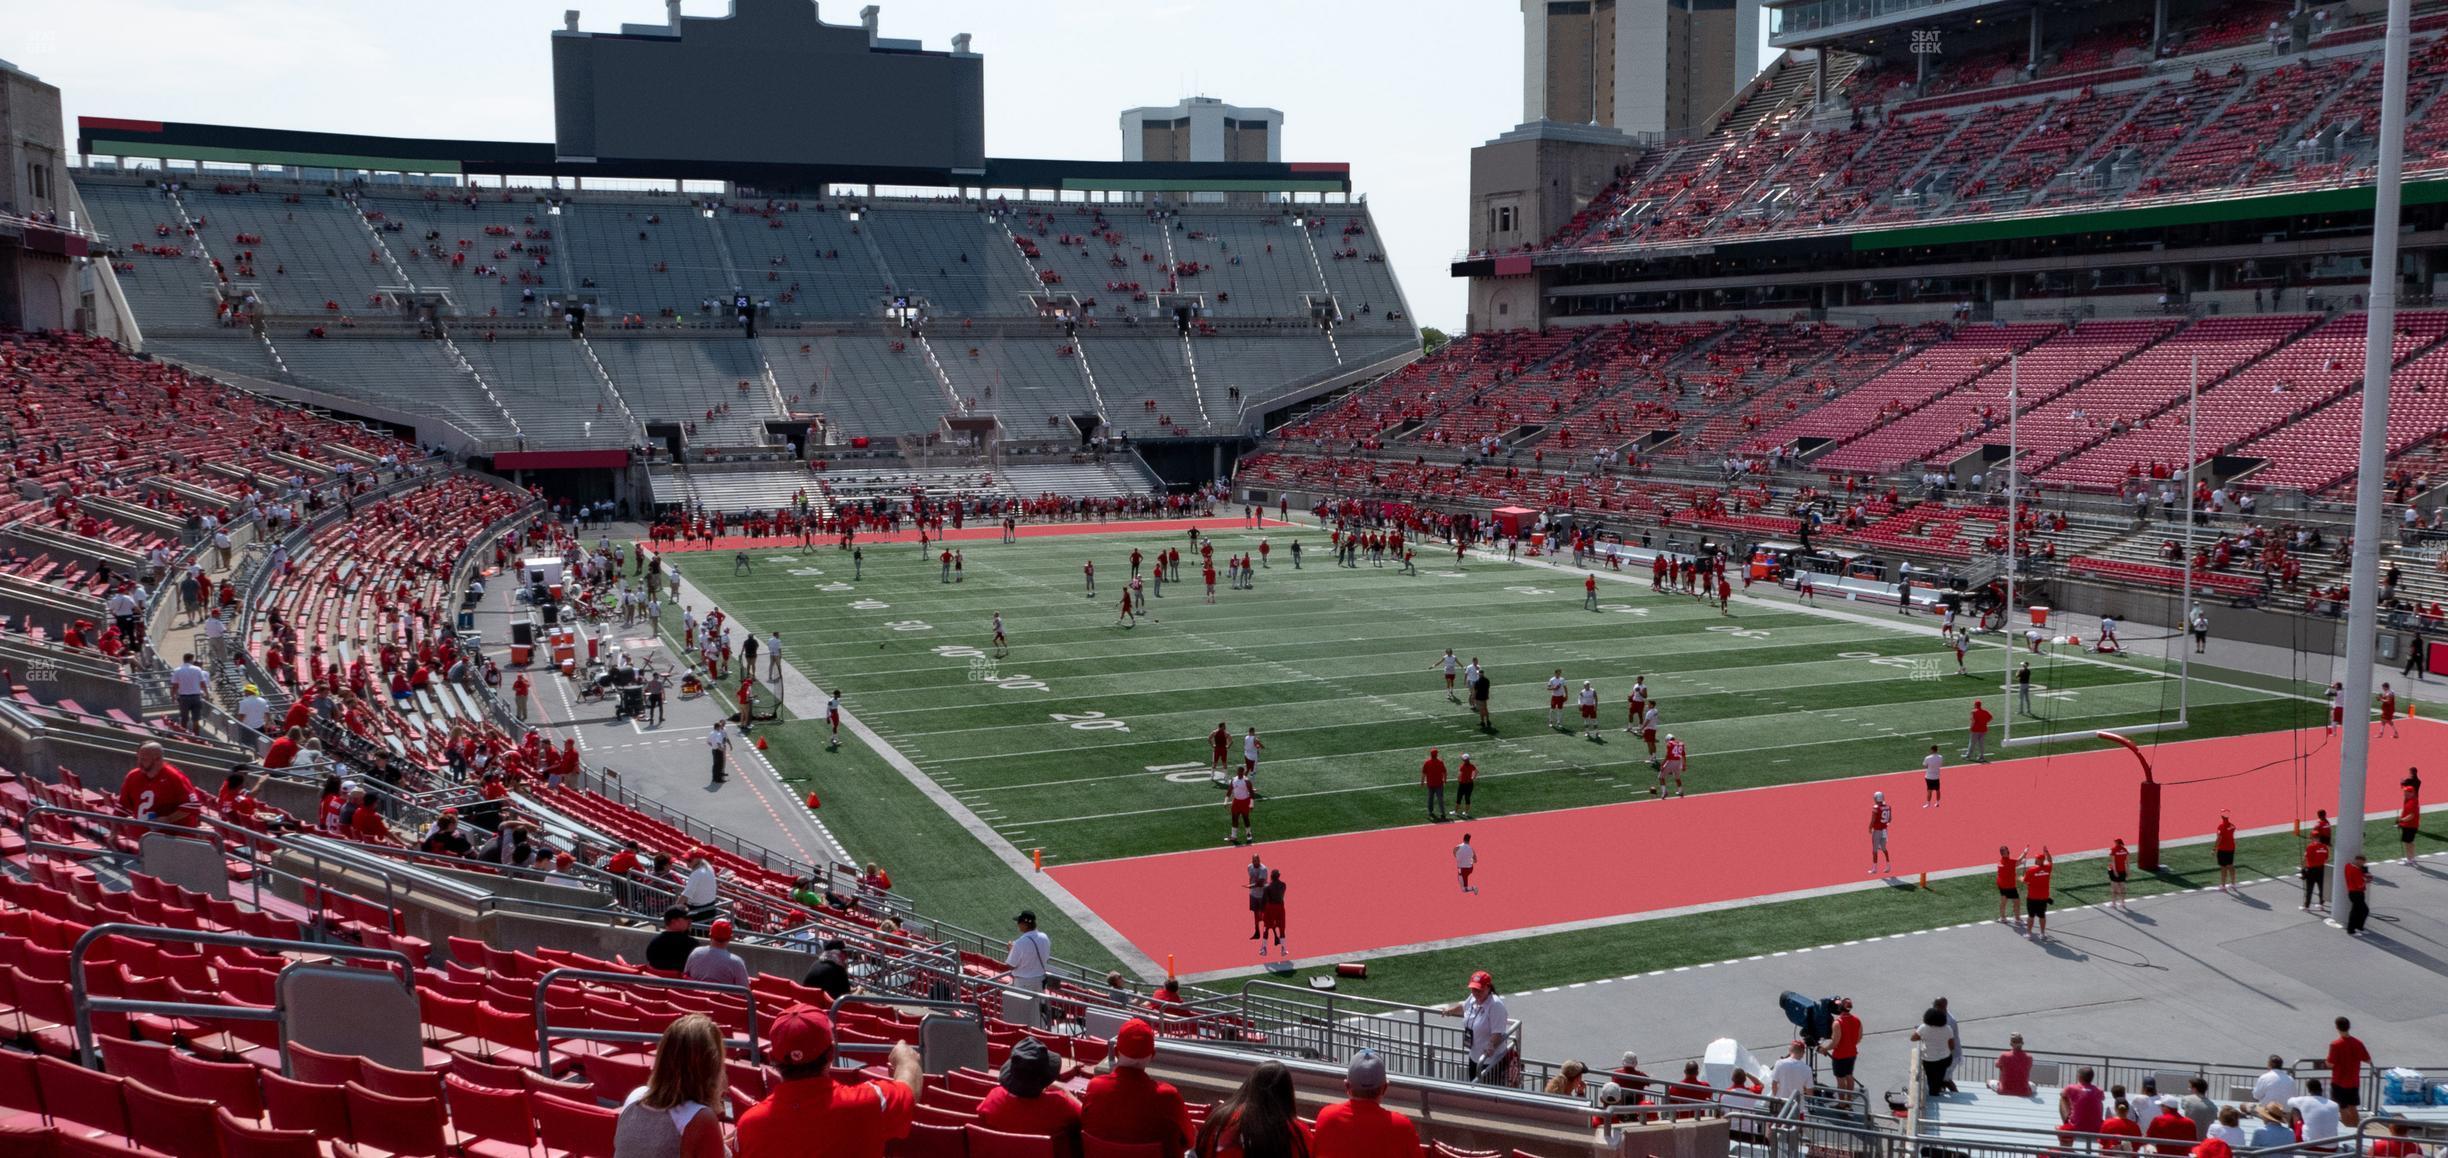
1127 1106
714 961
1485 1028
813 1113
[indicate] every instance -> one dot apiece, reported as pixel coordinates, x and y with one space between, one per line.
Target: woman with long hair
1568 1080
1259 1120
678 1112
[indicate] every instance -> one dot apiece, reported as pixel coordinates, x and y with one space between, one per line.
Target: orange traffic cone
1924 879
813 803
760 743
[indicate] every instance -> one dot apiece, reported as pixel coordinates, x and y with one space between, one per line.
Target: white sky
1401 89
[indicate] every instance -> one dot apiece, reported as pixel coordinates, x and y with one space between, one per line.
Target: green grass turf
1072 742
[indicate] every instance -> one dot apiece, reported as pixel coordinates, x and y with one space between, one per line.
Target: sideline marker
1924 884
1037 859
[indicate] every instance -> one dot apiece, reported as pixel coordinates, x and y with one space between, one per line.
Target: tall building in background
1637 66
1202 129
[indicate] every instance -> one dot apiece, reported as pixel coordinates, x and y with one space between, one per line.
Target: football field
1088 741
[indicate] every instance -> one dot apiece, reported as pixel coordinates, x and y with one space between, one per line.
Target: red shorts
1272 916
1555 701
1241 807
1589 711
2337 714
1649 734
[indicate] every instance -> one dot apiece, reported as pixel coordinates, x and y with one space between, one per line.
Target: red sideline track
974 532
1364 892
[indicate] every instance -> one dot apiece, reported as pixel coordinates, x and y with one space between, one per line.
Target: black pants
1933 1077
2316 881
2357 912
1462 793
718 765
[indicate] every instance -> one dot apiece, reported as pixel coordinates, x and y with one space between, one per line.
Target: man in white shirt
699 890
1031 954
252 709
187 682
773 657
2275 1085
2315 1112
1790 1078
1484 1028
718 742
1250 747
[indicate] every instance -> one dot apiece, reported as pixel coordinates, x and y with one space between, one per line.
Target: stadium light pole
2014 489
2184 610
2379 327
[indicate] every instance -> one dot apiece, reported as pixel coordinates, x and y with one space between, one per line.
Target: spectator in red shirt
2396 1145
2120 1124
284 751
1690 1091
2036 894
1259 1120
235 802
156 790
1130 1107
2013 1070
2357 874
2173 1132
300 713
814 1114
364 822
2347 1057
1023 1103
2079 1105
1978 747
1844 1044
1361 1127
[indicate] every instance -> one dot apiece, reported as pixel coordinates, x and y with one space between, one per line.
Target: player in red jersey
1670 768
2118 857
1126 619
1208 572
1880 817
1725 596
1089 571
1589 592
2388 713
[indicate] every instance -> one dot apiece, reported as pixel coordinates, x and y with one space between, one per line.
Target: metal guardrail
1414 1039
87 1004
546 1031
2112 1070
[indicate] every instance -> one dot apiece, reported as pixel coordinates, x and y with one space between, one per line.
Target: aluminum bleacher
488 254
807 258
313 256
952 256
411 374
640 258
1031 384
862 384
686 380
167 281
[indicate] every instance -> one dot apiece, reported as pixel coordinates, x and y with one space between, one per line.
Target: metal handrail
1343 1024
545 1030
87 1004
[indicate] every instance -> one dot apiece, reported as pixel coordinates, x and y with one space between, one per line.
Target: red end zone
1365 892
